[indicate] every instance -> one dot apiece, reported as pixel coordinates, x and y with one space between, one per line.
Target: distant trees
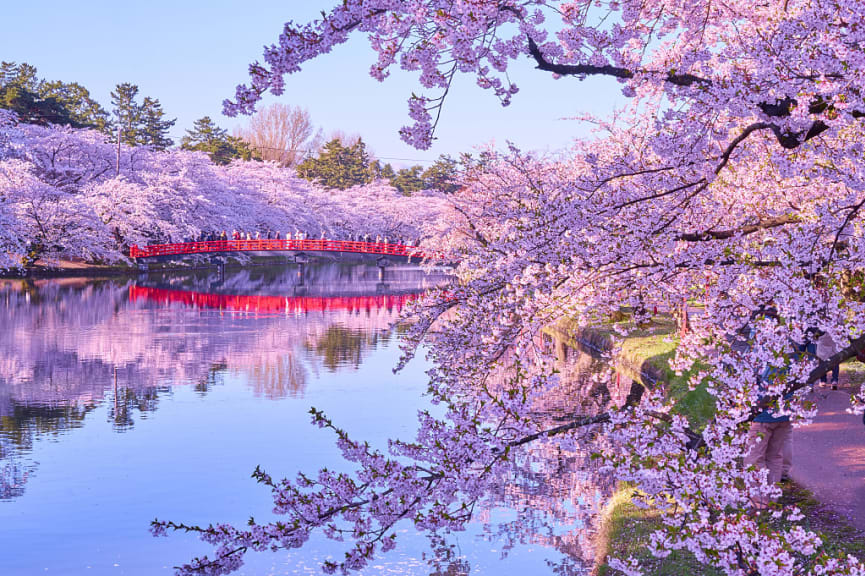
281 133
222 148
38 101
139 124
442 175
408 180
61 196
340 165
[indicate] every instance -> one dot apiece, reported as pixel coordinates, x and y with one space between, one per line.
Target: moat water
126 400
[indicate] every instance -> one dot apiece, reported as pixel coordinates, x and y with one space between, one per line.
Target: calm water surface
125 400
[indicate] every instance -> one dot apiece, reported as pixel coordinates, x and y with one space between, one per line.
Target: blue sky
191 55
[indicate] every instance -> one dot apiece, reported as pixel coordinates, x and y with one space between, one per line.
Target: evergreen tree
154 126
37 101
339 166
442 175
377 171
408 180
75 99
127 114
207 137
387 172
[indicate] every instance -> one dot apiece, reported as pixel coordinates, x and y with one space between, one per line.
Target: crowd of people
213 236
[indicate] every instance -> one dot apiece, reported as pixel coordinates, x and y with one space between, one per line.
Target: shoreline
622 528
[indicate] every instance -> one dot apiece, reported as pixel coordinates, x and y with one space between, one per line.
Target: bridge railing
178 249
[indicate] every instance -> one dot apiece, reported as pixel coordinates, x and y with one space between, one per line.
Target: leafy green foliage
140 124
340 166
38 101
408 180
442 175
207 137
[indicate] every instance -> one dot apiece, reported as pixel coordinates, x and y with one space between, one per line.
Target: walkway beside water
829 456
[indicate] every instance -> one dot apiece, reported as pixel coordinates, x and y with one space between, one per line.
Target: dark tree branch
615 71
741 231
577 423
779 109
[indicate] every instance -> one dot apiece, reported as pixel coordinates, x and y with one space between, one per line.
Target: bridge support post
301 260
382 264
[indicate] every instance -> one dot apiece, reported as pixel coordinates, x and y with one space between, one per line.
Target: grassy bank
645 355
625 529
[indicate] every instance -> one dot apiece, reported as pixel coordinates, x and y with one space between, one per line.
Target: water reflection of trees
70 346
553 493
340 346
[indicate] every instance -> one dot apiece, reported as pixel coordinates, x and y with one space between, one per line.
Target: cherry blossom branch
744 230
606 70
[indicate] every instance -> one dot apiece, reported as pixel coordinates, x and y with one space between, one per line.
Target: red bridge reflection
271 304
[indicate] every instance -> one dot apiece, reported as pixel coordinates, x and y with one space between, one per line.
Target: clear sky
191 54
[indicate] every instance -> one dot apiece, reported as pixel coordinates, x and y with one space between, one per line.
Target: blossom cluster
734 179
64 195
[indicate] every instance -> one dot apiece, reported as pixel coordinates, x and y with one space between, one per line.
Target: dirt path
829 456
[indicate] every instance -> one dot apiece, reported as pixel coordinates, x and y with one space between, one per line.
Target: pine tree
408 180
377 171
127 114
387 172
207 137
442 175
84 111
38 101
154 126
339 166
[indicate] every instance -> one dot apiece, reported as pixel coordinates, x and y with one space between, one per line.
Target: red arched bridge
375 248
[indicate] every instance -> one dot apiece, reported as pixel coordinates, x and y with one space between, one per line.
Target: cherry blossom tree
733 178
63 195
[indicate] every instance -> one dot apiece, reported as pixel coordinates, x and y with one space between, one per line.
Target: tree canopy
222 148
39 101
732 179
338 165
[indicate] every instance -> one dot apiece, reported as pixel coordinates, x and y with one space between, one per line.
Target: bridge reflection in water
197 378
72 347
271 304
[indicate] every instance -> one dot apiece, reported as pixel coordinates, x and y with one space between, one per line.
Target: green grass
650 348
626 528
854 372
625 531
